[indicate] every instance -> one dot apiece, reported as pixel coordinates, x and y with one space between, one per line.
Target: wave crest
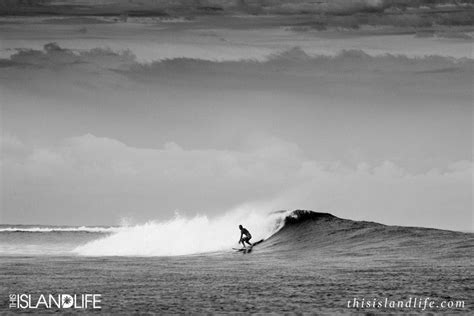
183 236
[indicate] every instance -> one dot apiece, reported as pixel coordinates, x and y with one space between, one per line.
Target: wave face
311 233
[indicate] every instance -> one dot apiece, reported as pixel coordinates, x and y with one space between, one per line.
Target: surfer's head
240 227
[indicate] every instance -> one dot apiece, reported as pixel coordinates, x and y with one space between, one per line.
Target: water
314 263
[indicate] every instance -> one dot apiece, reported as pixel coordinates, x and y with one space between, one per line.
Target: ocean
312 263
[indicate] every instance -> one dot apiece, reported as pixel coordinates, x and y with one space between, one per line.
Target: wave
184 236
308 232
85 229
291 233
302 232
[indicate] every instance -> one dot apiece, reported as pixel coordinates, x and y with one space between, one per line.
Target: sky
102 122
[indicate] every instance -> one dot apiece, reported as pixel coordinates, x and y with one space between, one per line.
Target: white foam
183 236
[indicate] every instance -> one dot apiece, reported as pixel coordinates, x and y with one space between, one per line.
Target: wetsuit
247 237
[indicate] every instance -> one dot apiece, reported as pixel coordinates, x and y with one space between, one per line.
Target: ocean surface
312 262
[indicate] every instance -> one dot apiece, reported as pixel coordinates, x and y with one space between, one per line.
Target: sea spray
183 235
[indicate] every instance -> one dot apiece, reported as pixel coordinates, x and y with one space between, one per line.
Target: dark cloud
295 59
206 7
53 56
296 71
152 7
298 60
293 70
82 90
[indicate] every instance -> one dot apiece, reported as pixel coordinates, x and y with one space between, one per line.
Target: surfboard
239 249
249 248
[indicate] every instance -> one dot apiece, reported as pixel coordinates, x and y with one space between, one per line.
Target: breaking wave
184 236
298 233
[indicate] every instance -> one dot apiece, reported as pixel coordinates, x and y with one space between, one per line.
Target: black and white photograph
169 157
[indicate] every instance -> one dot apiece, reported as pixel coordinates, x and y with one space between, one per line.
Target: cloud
353 71
53 55
97 180
87 168
163 7
182 7
9 142
331 7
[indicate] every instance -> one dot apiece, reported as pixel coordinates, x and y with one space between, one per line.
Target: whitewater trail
183 236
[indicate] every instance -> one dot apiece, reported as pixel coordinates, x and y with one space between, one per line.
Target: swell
297 233
308 232
38 229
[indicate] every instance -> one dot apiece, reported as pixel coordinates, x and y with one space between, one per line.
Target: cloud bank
166 7
54 56
387 105
101 67
98 180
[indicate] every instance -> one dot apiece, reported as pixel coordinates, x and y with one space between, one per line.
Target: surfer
247 237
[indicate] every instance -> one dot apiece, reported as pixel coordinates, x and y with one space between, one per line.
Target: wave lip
300 216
